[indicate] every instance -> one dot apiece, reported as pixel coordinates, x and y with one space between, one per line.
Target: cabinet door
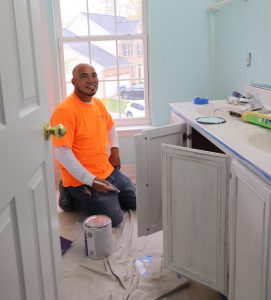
148 174
249 212
195 192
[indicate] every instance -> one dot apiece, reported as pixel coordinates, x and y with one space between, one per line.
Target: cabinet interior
202 143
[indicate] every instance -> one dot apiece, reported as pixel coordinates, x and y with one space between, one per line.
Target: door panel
30 246
148 174
195 192
26 58
10 258
249 211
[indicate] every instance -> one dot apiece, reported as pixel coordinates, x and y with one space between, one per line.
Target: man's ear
73 81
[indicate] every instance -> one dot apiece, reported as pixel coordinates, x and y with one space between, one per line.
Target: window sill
132 130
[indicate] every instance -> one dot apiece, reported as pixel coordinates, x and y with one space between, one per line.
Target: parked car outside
135 109
134 92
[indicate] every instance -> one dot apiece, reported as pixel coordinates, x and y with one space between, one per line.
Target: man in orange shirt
91 179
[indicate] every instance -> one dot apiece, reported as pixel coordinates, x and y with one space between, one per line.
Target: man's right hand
101 185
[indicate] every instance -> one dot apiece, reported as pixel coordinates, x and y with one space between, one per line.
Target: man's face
85 81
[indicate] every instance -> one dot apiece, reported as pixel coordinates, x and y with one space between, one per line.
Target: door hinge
187 137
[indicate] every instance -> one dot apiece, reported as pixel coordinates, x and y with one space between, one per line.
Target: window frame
142 36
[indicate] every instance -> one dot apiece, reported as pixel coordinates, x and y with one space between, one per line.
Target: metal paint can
98 236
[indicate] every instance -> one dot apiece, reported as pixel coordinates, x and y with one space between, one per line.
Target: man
91 178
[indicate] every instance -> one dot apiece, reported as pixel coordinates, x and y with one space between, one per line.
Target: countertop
247 142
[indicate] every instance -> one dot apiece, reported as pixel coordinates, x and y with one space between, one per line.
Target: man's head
85 81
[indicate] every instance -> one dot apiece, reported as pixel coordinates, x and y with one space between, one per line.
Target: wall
179 56
242 27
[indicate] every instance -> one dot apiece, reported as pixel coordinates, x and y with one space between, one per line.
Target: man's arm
68 160
113 139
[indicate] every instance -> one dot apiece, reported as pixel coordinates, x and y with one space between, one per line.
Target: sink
262 141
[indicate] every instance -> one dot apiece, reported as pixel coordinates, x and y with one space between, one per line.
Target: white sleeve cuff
113 138
66 157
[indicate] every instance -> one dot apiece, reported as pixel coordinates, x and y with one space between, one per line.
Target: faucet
218 108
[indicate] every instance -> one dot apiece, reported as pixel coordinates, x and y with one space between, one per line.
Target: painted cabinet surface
215 227
249 218
194 214
148 174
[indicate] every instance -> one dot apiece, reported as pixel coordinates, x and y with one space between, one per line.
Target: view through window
110 35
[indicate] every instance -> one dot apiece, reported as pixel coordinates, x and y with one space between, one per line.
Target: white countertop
247 142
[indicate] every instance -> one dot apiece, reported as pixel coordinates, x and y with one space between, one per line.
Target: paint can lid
97 221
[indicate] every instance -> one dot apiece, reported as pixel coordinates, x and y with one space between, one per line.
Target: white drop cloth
125 274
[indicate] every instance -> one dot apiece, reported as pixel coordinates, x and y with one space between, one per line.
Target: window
127 49
111 35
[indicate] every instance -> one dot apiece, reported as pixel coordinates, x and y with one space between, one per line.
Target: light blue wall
243 27
180 51
180 44
179 56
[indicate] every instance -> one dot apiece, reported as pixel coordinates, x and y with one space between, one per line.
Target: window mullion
103 38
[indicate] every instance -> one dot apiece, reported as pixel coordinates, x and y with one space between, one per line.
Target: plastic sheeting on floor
133 271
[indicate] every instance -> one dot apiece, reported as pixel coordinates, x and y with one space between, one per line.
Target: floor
70 227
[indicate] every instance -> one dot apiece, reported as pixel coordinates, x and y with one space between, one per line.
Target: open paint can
98 236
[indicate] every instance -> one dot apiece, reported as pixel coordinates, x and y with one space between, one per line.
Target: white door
148 174
29 240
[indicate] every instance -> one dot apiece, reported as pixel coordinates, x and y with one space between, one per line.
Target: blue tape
200 101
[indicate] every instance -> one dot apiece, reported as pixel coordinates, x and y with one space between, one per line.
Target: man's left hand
114 158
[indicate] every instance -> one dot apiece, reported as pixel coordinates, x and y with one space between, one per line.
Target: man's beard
85 93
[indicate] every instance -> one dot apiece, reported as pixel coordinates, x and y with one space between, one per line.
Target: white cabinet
249 219
194 203
148 174
190 195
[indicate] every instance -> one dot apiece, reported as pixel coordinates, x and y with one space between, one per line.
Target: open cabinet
148 174
212 206
187 192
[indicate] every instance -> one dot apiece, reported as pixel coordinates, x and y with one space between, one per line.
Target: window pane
129 20
101 7
102 17
97 17
134 95
75 53
74 22
129 61
108 92
104 58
